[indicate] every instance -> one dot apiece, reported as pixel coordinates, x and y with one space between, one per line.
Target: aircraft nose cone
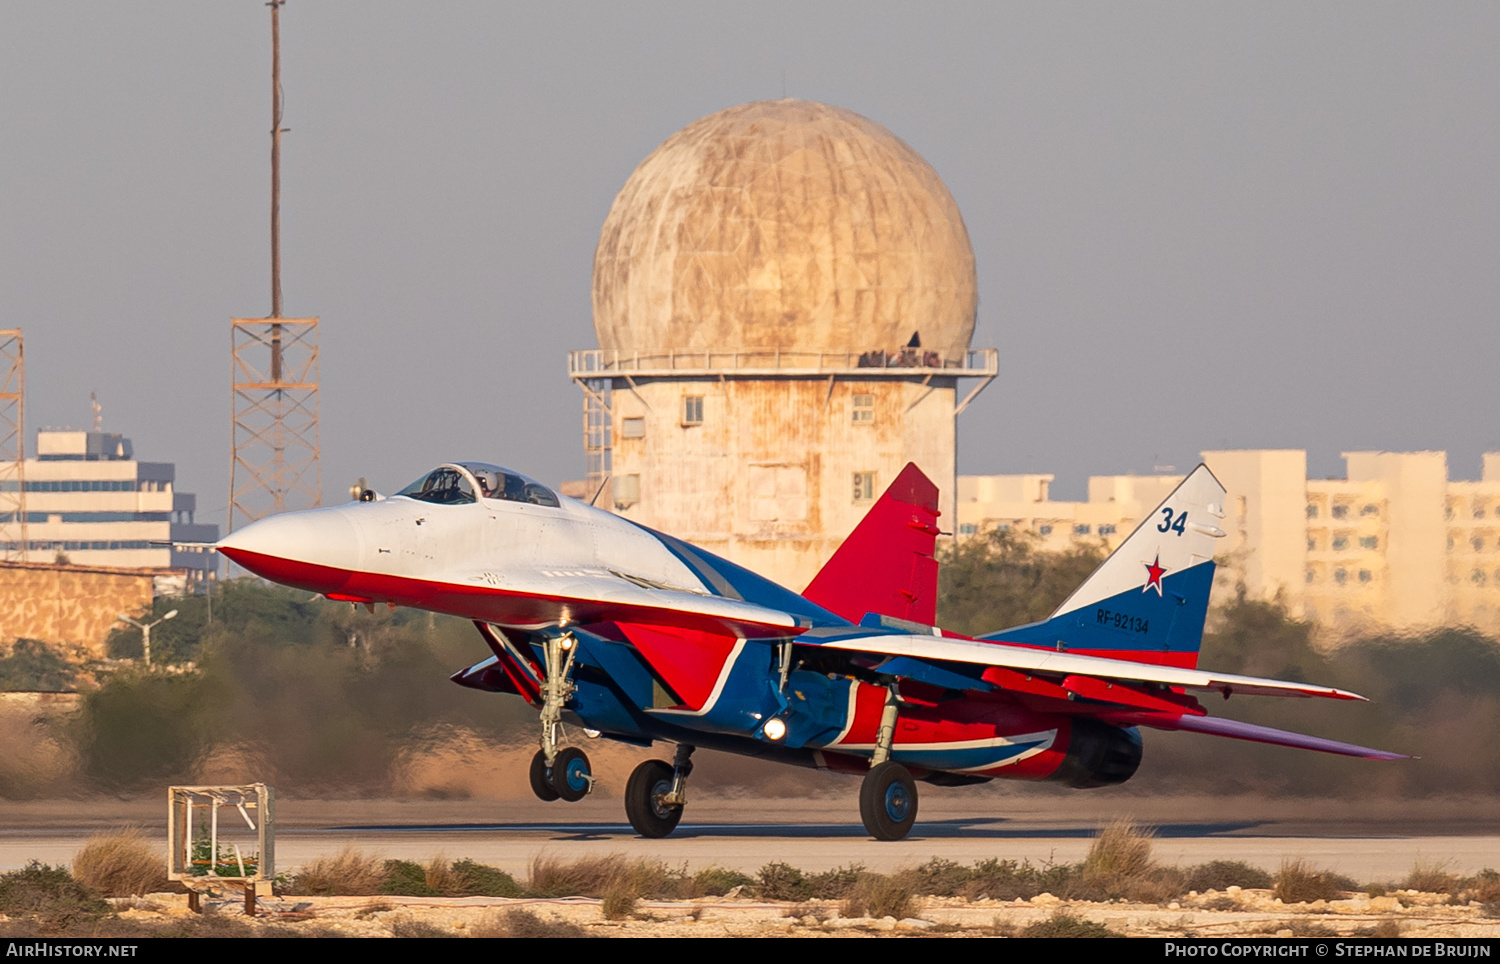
316 550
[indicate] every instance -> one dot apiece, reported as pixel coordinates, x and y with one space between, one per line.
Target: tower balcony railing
591 363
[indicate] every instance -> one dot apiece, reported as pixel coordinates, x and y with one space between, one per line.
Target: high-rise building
1394 543
89 502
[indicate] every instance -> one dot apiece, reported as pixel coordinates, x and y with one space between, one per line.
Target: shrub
406 878
1063 924
49 895
1485 887
482 880
940 877
1221 874
714 882
780 881
120 864
349 873
835 884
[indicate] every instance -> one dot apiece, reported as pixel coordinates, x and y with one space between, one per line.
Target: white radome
786 225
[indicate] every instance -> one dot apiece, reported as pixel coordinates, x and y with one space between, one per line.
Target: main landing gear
888 796
559 773
656 793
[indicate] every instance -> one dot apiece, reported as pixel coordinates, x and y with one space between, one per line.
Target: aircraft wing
529 598
941 661
1051 663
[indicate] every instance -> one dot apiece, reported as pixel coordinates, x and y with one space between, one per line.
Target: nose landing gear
559 773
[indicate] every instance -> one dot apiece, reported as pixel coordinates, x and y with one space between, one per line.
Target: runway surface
1370 842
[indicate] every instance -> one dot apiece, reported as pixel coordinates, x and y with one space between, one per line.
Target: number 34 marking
1172 522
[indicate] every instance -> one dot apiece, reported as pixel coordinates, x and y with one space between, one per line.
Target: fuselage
674 643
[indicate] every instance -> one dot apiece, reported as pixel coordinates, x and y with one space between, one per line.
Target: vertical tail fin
886 566
1147 602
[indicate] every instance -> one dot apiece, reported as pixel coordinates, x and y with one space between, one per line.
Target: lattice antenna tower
276 464
14 544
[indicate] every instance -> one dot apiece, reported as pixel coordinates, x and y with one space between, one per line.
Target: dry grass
1065 925
618 902
349 873
121 864
442 878
1121 850
1432 877
884 896
595 876
1299 881
519 923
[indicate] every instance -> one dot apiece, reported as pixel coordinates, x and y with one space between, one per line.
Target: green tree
1005 579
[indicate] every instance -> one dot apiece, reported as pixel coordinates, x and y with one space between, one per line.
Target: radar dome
785 225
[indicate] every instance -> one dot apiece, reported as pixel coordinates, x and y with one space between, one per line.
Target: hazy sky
1196 225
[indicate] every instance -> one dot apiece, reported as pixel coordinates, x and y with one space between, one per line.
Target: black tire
541 778
648 815
888 801
572 778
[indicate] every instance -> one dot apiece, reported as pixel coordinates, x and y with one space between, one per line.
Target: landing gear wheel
648 815
541 782
572 778
888 801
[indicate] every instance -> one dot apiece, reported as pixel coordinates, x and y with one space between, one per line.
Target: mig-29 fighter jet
636 636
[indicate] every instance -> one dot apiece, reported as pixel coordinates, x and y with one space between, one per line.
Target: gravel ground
1232 913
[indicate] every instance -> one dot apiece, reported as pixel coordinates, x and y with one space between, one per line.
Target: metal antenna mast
276 463
14 544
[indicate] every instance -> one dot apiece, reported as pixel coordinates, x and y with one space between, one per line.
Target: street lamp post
145 629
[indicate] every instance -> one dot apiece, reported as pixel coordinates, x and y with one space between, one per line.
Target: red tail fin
886 565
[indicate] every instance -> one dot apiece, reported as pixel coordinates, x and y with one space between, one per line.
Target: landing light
775 729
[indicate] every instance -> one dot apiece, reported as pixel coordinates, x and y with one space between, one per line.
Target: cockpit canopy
459 482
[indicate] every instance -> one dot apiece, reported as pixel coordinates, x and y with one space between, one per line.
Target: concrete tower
784 294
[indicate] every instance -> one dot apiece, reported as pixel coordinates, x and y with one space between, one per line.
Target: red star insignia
1154 572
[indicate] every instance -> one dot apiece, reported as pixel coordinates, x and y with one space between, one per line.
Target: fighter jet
624 633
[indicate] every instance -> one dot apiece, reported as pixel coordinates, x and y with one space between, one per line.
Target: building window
1448 511
968 529
634 427
1340 543
1106 529
1478 511
1478 577
1365 576
1341 511
1312 510
1312 576
1044 531
1477 543
1370 508
1369 542
1312 545
863 410
864 486
692 409
1340 576
1082 530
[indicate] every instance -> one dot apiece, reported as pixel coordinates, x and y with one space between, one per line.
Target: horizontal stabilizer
886 566
1059 666
1236 730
